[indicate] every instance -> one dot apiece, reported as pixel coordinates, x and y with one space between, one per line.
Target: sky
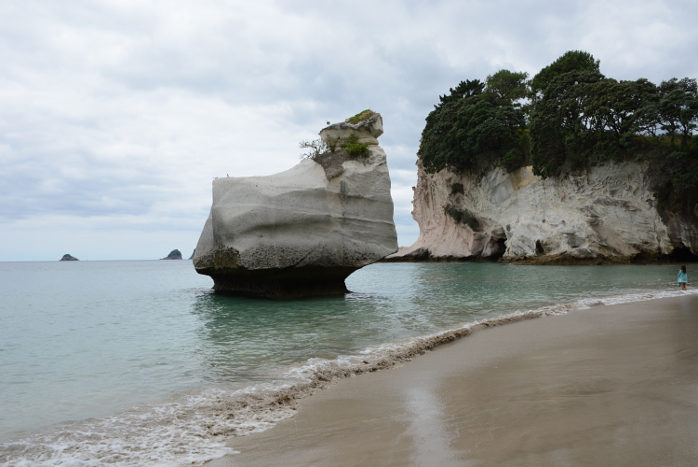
116 115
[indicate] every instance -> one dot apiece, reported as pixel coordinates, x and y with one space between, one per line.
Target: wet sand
609 386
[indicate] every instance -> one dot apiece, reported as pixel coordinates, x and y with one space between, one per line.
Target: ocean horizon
140 363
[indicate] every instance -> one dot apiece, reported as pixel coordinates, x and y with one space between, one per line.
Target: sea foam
192 428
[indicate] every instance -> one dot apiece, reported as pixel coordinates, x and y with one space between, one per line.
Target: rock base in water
283 284
68 257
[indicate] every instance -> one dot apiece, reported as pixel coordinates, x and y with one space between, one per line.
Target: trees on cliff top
567 118
476 123
574 60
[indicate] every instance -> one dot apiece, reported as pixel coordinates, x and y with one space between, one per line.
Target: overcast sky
116 115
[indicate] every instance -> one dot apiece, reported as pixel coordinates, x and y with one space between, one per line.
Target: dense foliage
567 118
477 123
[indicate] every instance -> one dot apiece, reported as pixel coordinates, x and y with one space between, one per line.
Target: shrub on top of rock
354 148
340 142
361 116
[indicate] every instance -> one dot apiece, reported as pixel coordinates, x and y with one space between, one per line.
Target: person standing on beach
683 277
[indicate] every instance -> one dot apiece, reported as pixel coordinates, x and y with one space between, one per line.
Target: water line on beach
191 429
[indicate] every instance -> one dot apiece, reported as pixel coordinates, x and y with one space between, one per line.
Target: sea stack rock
174 254
301 232
67 257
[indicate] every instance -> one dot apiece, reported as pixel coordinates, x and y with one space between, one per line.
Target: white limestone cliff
303 231
608 214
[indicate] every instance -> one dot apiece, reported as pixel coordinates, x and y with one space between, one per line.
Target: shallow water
119 341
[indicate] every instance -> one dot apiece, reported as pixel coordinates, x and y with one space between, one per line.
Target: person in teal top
683 277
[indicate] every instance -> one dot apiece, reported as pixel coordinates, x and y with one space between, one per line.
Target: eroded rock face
300 232
606 215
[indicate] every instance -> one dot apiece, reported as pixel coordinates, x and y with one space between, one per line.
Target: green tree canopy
464 90
576 118
506 88
678 109
471 128
574 60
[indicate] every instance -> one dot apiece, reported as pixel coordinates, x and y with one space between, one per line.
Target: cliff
608 214
303 231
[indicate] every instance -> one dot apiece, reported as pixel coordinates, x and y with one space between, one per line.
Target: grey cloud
129 109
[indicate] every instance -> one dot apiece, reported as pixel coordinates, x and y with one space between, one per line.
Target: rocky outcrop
68 257
607 214
303 231
174 254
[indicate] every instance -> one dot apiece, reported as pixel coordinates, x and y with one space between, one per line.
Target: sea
139 363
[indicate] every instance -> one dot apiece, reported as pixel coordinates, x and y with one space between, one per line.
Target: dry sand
608 386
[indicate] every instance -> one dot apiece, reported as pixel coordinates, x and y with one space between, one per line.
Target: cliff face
608 214
303 231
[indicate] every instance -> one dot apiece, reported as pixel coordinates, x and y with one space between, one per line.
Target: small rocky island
174 254
301 232
68 257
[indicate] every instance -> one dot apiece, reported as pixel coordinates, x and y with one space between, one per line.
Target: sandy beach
611 385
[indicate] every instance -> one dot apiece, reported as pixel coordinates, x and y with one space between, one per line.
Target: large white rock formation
608 214
303 231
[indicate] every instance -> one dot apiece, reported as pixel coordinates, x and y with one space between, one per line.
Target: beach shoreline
607 385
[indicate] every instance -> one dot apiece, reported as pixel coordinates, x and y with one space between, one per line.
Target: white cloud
116 114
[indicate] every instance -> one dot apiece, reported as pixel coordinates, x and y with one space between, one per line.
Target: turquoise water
81 341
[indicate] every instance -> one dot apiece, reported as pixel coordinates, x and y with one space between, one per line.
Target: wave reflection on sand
192 428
